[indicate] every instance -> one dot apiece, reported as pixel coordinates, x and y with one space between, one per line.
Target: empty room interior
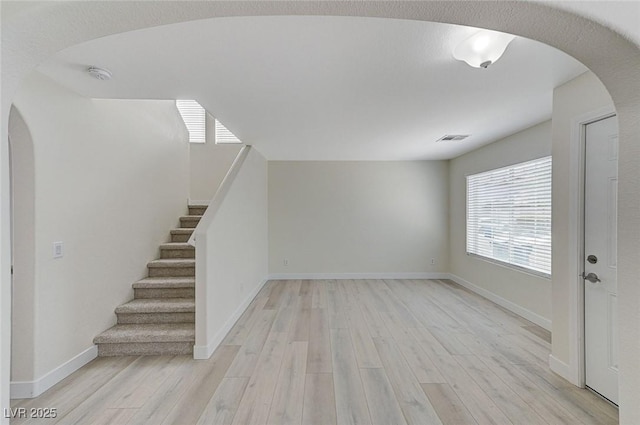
320 213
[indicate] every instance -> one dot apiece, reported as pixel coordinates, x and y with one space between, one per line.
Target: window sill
511 266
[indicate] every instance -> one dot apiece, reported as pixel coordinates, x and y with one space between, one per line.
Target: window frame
224 136
194 117
511 212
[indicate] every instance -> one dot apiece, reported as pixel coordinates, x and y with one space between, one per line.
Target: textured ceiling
328 88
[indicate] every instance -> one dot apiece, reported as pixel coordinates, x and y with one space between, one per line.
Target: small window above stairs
160 320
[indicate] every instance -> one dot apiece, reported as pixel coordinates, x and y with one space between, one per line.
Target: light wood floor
342 352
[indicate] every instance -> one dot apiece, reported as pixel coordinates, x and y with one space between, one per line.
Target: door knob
591 277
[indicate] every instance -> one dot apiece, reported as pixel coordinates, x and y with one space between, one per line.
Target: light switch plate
57 250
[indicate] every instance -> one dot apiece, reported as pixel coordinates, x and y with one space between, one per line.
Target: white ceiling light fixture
99 73
482 48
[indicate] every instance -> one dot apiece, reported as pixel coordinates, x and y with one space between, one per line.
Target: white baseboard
31 389
325 276
203 352
563 369
513 307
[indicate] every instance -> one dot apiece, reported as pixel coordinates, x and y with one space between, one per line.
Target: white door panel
601 306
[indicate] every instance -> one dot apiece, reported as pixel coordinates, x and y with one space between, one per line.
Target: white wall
23 241
111 180
231 254
572 100
208 164
529 292
358 217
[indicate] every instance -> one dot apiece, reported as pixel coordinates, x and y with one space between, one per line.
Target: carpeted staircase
160 320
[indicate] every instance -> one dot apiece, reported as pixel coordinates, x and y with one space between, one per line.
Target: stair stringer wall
231 254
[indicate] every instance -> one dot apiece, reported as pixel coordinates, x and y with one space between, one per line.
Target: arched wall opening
24 299
33 36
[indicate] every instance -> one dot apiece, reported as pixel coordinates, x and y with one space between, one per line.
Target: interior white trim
576 365
31 389
192 202
513 307
564 370
203 352
324 276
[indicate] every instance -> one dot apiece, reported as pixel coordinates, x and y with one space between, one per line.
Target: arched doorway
33 36
23 247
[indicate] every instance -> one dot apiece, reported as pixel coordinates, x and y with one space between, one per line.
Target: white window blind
223 135
509 215
194 117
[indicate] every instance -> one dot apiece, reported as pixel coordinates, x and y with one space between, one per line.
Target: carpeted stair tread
176 245
173 262
182 231
189 221
197 209
158 305
181 234
138 333
165 283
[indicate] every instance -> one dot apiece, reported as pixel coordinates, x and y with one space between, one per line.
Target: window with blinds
509 215
195 119
223 135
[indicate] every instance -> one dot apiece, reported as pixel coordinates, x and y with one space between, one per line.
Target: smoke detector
99 73
452 137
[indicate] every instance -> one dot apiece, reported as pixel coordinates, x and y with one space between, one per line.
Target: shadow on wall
23 242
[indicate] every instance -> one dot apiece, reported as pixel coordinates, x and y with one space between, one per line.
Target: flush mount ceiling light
99 73
482 48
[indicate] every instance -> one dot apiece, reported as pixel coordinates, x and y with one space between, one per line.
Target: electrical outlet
433 261
57 250
286 262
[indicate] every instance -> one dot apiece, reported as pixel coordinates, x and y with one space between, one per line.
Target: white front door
600 258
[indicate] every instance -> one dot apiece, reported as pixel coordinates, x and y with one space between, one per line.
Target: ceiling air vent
451 137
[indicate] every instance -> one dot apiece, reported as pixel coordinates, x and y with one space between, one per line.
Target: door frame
577 362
